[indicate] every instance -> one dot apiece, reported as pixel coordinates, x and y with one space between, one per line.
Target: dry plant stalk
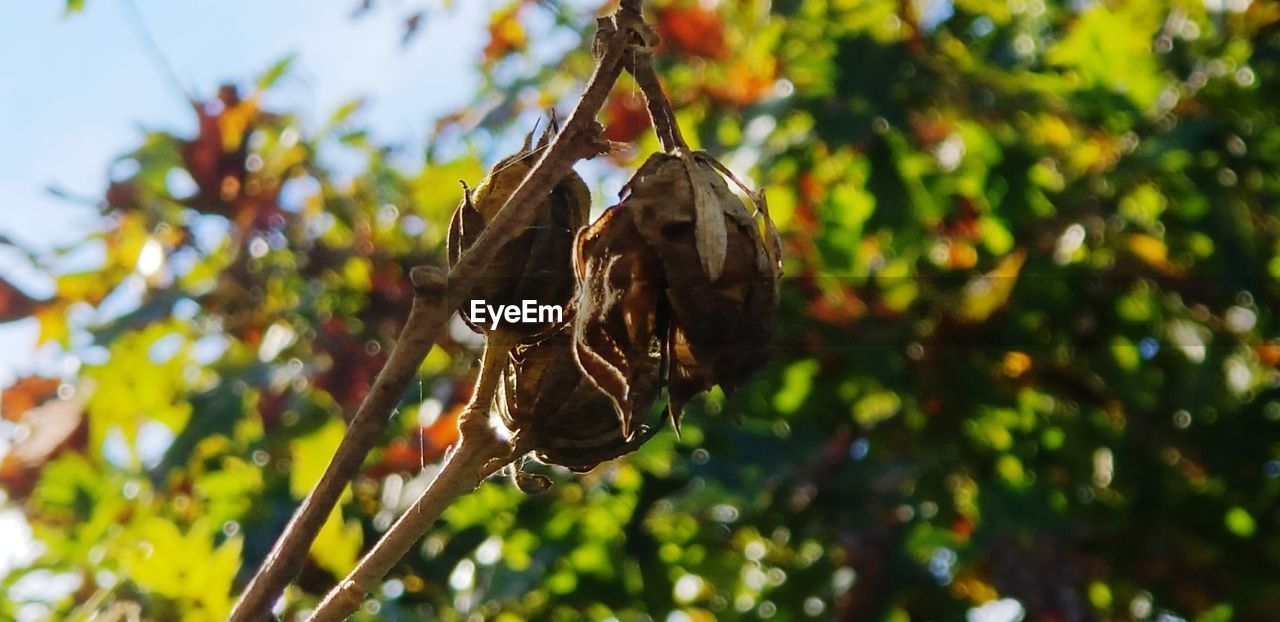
677 285
436 296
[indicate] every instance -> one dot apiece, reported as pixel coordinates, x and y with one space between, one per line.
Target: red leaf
14 304
353 365
625 117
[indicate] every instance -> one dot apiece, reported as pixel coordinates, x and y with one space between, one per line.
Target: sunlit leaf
989 292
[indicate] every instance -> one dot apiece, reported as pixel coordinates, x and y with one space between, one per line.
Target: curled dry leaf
534 265
645 291
562 416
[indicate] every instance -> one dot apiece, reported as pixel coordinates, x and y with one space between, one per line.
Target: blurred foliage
1029 340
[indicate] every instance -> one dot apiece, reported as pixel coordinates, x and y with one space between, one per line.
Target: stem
572 143
478 454
427 317
660 111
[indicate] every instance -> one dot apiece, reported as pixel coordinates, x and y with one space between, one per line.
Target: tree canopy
1027 363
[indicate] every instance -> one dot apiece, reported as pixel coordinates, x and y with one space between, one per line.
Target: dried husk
559 414
644 282
620 313
536 264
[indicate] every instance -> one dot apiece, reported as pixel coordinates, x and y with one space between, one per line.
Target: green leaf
275 72
344 112
1110 47
1240 522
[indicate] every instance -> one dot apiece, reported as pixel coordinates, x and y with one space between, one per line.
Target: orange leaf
506 34
692 30
25 394
425 446
745 84
1269 353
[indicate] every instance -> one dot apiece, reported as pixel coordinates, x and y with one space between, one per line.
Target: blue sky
78 89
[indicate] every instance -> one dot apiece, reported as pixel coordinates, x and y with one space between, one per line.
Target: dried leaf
683 378
708 221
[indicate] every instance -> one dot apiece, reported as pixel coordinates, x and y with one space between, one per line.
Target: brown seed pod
620 311
559 414
651 278
536 264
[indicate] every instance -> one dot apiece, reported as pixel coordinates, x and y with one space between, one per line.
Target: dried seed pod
558 413
648 274
620 313
535 265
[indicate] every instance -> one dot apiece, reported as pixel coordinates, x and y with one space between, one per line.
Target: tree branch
426 317
478 454
663 116
437 298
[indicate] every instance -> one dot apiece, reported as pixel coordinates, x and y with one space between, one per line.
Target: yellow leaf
141 382
235 121
125 242
185 568
53 324
1152 251
311 455
357 273
338 544
987 293
436 361
90 287
1015 363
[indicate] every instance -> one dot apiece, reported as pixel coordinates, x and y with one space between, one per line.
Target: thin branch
578 139
478 454
152 49
436 300
427 315
640 65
